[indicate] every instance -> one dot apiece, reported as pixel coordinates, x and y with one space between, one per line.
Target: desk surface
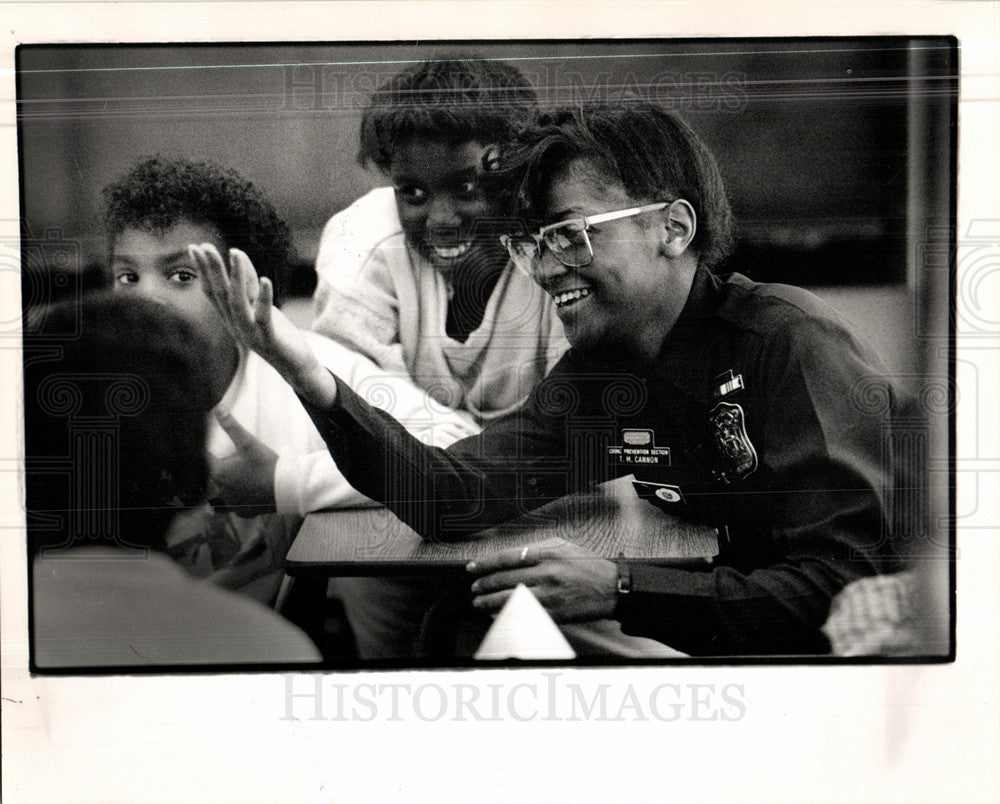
612 523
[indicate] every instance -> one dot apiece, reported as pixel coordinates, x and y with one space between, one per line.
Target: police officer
735 404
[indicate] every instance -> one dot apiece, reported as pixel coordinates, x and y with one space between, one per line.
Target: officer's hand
244 482
246 305
572 583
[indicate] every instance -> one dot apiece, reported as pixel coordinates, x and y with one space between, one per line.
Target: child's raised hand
245 304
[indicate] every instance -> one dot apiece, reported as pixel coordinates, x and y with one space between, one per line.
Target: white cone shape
524 630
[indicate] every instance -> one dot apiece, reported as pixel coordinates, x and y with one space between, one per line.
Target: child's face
158 267
444 211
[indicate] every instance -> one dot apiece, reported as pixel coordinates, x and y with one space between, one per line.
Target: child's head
160 207
158 194
427 128
115 427
452 99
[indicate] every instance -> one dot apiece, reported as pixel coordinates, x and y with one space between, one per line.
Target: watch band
624 578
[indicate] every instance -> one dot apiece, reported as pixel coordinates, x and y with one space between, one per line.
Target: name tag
638 447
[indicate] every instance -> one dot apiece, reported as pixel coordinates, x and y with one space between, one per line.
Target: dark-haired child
270 467
115 428
413 276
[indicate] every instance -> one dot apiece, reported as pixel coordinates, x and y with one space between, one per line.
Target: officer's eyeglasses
567 240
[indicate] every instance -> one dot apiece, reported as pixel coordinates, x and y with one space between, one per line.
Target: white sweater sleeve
305 483
311 481
356 302
360 264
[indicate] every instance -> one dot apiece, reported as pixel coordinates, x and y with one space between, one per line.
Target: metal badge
737 457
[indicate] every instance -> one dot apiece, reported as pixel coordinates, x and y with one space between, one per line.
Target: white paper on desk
524 630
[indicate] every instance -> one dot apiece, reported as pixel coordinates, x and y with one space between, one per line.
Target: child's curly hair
158 193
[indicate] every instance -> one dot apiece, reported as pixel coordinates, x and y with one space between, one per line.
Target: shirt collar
688 351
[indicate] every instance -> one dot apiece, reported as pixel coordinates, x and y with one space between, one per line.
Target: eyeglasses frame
585 223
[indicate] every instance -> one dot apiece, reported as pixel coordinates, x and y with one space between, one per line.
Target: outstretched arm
246 306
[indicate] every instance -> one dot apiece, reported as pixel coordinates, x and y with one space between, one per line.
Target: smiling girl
413 276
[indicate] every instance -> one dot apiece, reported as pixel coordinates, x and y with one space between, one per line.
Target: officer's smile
567 298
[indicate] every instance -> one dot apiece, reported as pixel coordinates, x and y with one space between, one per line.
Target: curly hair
158 193
455 98
653 153
135 371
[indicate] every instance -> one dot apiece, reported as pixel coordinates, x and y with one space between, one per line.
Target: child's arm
245 305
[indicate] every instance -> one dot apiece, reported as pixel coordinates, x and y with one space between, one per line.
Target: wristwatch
624 578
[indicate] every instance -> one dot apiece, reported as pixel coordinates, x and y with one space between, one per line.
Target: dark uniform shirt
763 416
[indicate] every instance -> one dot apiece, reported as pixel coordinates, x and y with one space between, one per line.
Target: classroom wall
815 140
809 158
